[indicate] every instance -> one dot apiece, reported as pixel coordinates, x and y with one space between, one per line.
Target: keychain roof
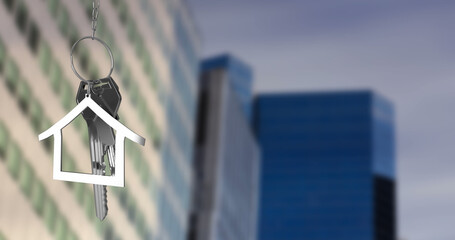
121 132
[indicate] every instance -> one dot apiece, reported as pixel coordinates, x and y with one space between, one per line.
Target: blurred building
155 46
328 166
226 164
239 75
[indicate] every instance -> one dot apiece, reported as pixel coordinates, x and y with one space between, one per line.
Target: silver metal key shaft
98 168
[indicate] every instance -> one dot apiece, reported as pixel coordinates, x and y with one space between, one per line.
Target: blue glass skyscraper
327 166
238 74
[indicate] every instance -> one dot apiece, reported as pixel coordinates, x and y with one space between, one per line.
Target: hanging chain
96 8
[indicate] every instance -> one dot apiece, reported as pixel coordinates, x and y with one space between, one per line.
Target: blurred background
264 120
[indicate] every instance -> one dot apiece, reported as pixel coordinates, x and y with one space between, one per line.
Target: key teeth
103 213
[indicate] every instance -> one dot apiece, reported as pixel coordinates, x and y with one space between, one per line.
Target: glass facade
327 166
227 165
37 88
239 74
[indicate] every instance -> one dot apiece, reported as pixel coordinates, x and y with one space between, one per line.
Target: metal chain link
96 8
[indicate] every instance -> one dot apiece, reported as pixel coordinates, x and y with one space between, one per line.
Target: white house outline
118 179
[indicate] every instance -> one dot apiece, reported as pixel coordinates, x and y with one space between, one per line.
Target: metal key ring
104 44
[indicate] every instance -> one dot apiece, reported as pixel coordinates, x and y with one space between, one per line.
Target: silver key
102 139
97 152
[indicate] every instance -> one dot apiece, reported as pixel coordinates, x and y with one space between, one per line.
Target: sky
402 49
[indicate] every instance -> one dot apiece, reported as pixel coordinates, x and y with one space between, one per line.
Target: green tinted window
142 108
131 29
9 4
73 34
140 48
4 140
61 228
71 236
62 20
123 197
2 56
123 11
126 77
115 2
36 113
101 27
26 178
137 159
53 6
68 164
131 210
99 226
44 56
50 213
33 37
11 74
24 93
21 17
108 232
118 60
93 71
14 159
89 204
55 76
134 94
144 173
140 224
38 197
67 96
80 192
146 64
83 58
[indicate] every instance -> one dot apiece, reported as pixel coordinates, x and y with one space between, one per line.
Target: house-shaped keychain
118 179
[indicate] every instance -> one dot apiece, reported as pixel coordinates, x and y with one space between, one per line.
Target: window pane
80 192
33 37
11 74
131 30
93 71
9 4
2 56
21 17
71 236
67 96
50 213
73 34
61 228
24 93
131 210
62 20
13 158
134 93
55 76
139 46
89 204
4 139
44 56
38 197
126 78
123 12
26 178
36 113
144 173
53 6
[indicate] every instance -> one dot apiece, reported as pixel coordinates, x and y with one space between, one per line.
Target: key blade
100 192
101 208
